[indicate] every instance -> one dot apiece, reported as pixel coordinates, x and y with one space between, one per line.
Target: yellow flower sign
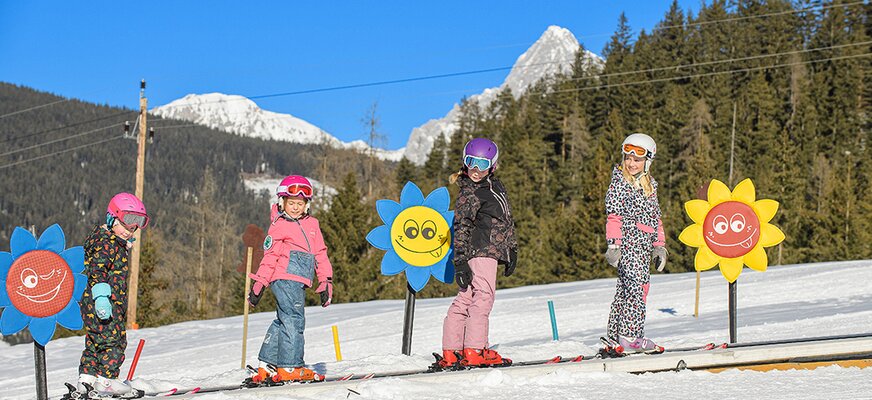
731 229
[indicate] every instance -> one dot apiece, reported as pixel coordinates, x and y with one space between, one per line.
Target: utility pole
133 285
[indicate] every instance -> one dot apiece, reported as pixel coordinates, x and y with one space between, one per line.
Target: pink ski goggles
296 189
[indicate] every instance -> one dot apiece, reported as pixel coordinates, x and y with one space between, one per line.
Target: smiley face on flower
43 284
416 236
421 236
731 229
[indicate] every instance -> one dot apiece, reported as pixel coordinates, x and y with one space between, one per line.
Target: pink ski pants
466 325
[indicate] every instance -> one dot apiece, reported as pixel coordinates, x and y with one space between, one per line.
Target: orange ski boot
298 374
483 358
448 360
261 376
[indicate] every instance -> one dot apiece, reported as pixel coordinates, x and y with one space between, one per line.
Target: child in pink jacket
294 250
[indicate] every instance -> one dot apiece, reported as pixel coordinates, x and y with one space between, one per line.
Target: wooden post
696 305
245 307
133 285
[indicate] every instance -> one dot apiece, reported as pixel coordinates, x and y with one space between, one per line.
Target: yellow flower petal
756 259
731 268
697 210
692 236
765 209
770 235
705 259
744 192
718 193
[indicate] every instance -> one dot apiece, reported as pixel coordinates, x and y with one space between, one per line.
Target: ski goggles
133 221
297 189
482 164
637 151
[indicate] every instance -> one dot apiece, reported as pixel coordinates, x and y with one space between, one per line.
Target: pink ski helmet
129 210
295 185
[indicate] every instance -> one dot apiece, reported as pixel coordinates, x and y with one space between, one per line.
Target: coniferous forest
774 91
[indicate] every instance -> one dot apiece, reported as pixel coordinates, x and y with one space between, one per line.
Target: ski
91 394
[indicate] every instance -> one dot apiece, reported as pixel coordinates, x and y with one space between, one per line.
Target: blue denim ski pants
283 344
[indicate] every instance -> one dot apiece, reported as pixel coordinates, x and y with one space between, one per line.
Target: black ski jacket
483 225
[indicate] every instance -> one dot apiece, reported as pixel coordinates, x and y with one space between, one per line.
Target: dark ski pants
104 351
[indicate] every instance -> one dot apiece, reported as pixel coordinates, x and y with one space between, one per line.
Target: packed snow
785 302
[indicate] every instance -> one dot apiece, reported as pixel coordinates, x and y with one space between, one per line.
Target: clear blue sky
99 50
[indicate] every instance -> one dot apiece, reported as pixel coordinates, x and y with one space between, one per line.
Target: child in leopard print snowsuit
634 233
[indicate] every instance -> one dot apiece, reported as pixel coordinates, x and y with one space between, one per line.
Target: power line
64 127
708 74
33 108
822 7
59 140
79 147
488 70
60 152
730 60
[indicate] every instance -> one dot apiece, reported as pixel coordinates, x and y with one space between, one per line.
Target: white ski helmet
640 145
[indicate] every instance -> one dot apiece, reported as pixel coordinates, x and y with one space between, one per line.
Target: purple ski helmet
480 153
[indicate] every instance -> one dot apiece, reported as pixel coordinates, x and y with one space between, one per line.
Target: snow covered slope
785 302
241 116
552 54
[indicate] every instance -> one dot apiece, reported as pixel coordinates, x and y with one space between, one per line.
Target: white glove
613 255
658 255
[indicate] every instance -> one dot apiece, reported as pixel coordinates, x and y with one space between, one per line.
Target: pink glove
326 291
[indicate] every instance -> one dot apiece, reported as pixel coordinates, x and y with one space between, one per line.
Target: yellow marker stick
336 343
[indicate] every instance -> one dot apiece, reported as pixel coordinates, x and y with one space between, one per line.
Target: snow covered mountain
553 53
241 116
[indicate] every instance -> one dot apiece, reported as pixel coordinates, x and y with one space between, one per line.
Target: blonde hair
454 176
643 182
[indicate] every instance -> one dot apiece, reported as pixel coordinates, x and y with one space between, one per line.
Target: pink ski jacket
291 250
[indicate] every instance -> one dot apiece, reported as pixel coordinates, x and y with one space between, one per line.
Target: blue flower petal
418 277
71 317
443 270
4 299
42 329
12 321
52 239
438 200
6 260
411 196
75 258
449 216
388 210
380 237
81 283
392 264
21 242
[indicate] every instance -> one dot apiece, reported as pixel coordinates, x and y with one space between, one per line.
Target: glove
513 261
255 293
658 255
102 306
613 255
462 274
326 291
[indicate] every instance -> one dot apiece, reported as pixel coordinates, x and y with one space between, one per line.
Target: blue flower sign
417 236
41 284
